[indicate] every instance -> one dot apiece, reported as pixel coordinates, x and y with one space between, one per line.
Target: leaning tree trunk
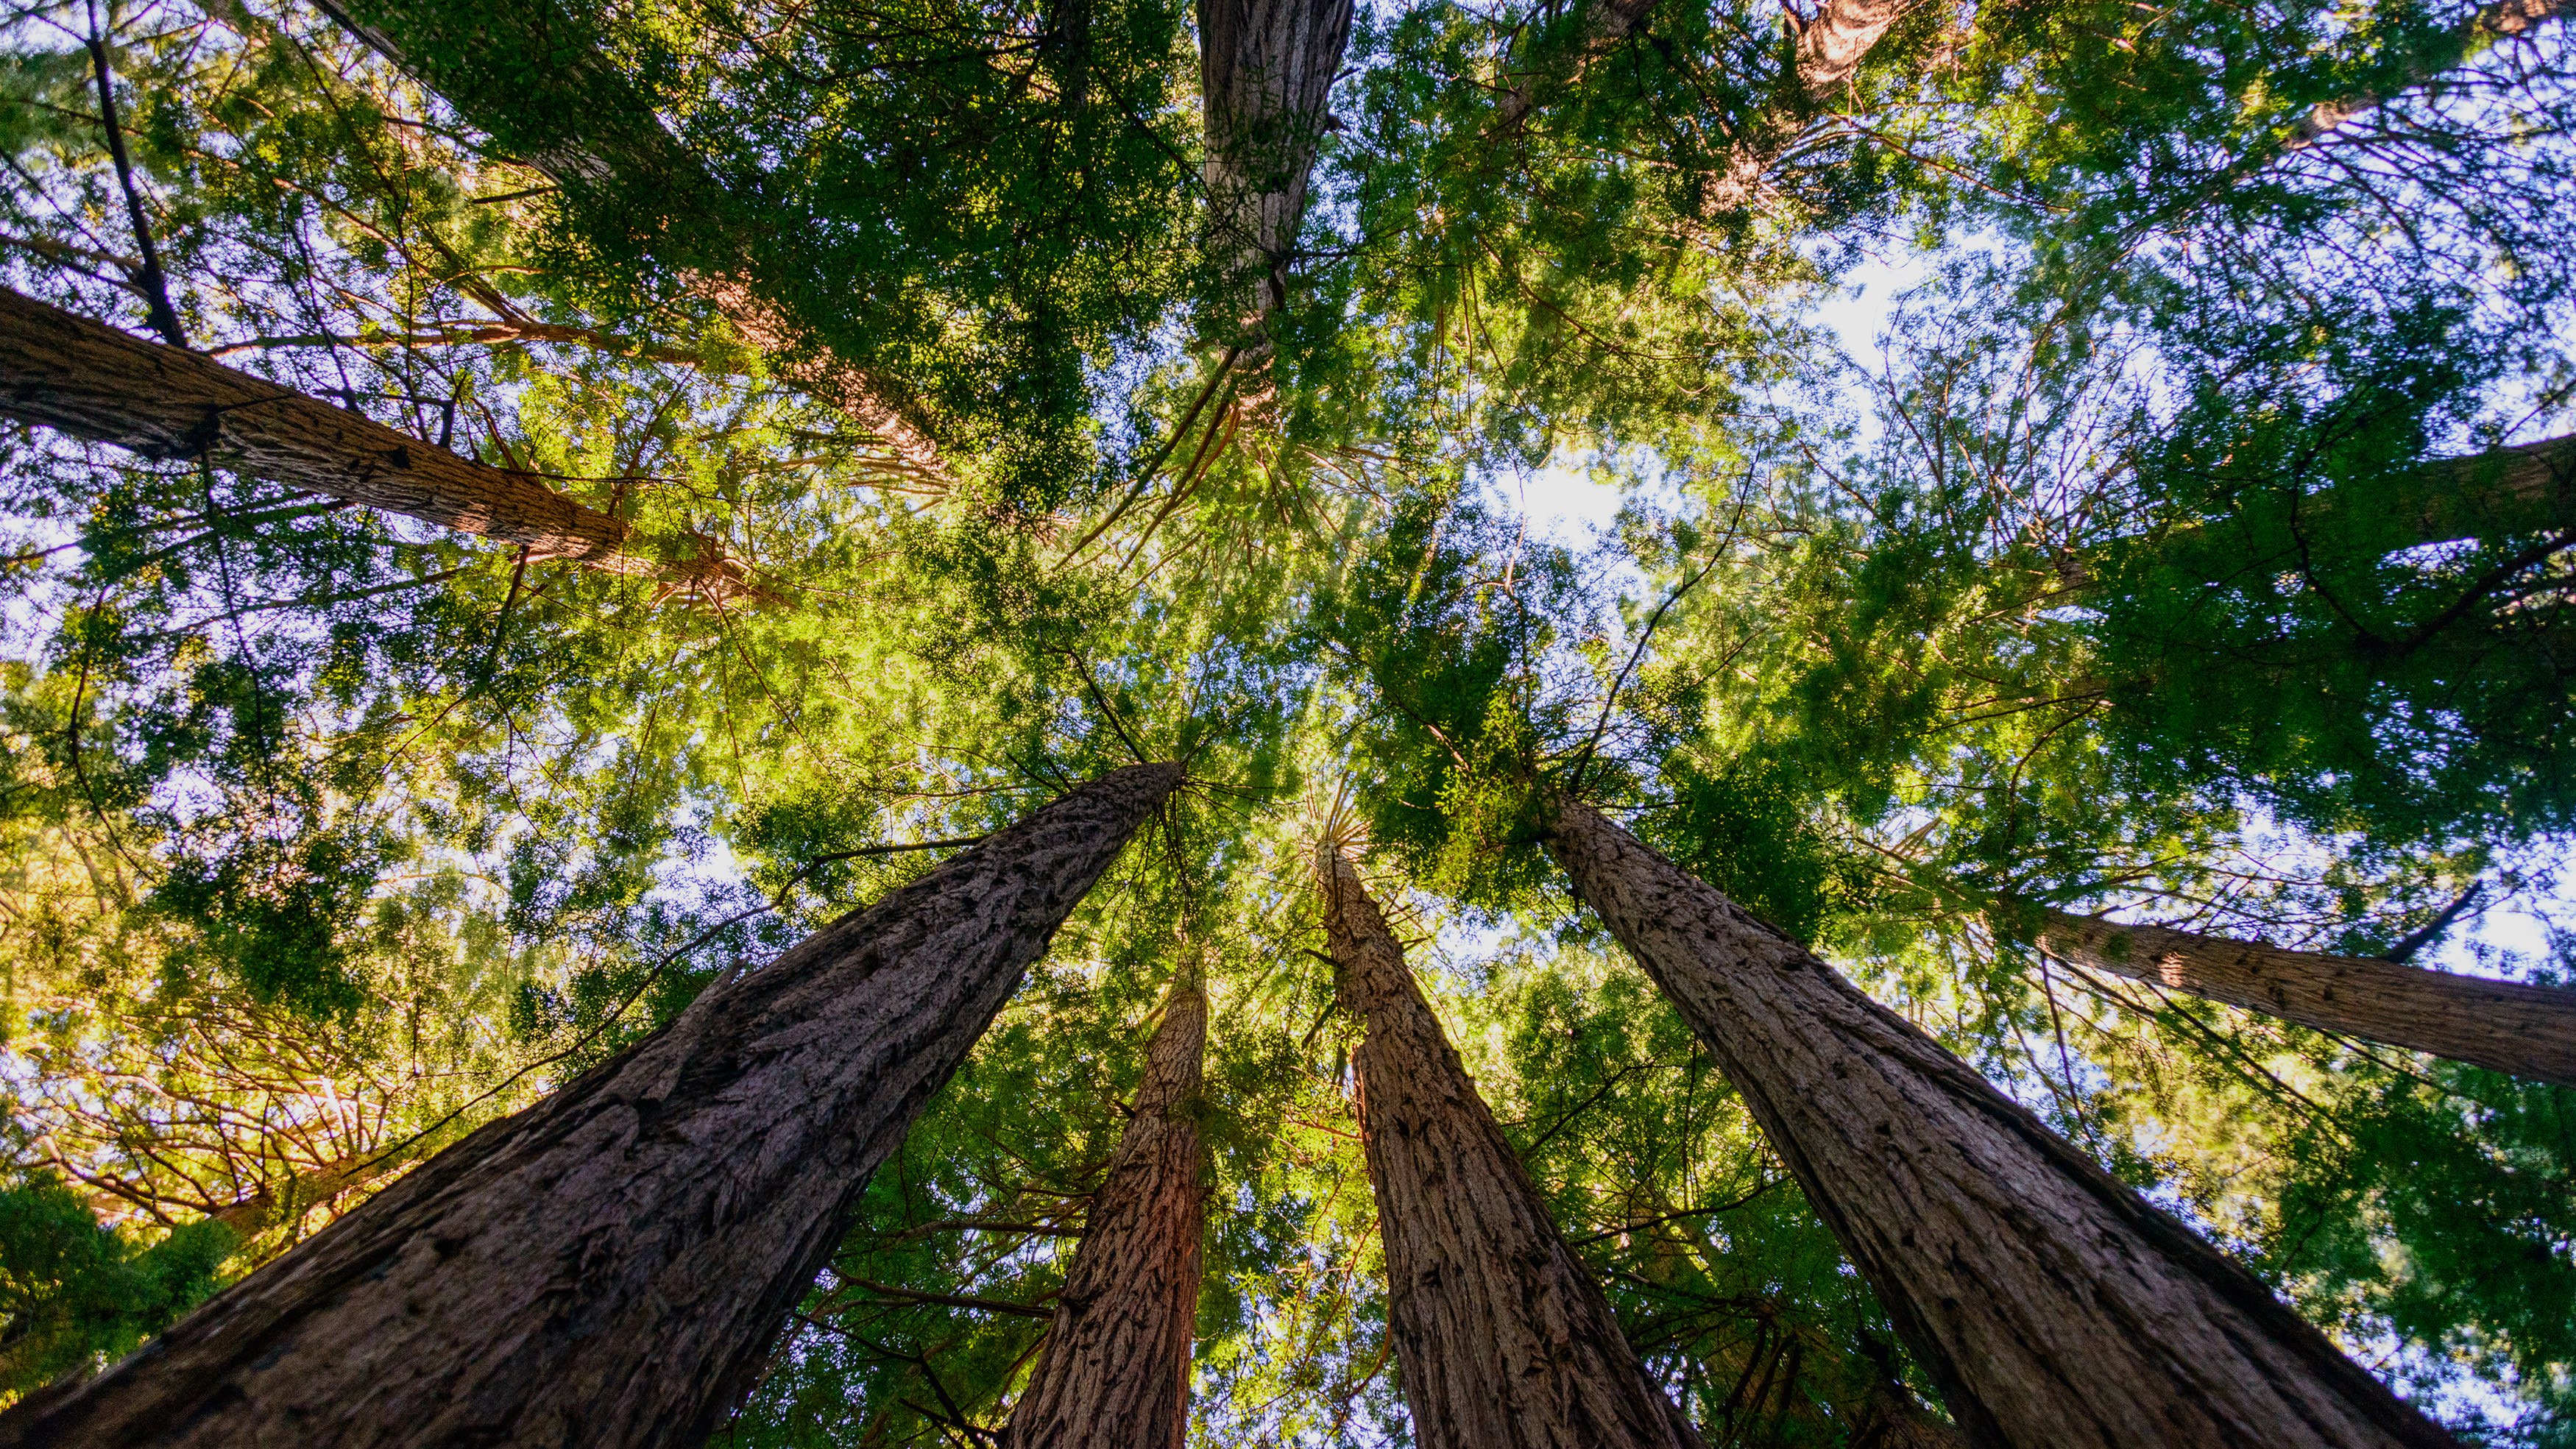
2054 1305
2529 1031
533 74
1503 1338
1266 71
61 370
609 1267
1116 1367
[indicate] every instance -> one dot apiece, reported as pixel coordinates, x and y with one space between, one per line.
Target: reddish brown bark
1116 1367
609 1267
2529 1031
61 370
1504 1340
2054 1305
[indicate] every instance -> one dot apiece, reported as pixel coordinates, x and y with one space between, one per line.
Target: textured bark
609 1267
1504 1339
2529 1031
1833 42
1115 1372
64 371
532 75
2501 20
2054 1305
1266 71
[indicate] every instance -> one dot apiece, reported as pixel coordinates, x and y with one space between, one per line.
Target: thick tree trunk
532 75
61 370
2054 1305
1115 1372
1266 71
609 1267
1503 1338
2529 1031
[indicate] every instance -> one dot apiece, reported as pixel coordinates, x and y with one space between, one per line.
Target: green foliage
76 1296
2131 579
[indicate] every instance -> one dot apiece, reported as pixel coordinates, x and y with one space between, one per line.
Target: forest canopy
527 528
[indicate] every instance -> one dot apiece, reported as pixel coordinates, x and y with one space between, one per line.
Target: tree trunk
2519 489
1115 1372
1503 1338
1266 71
2529 1031
532 75
609 1267
2054 1305
64 371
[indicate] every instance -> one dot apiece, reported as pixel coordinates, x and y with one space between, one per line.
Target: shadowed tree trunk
1503 1338
1266 70
2054 1305
2529 1031
532 75
61 370
609 1267
1115 1372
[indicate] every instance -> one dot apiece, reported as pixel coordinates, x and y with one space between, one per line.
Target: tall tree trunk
2529 1031
1504 1339
1115 1372
61 370
532 74
609 1267
1266 71
2054 1305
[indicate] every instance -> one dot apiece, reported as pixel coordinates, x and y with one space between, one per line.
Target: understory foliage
2182 532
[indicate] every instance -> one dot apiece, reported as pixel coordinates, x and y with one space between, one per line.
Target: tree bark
532 75
61 370
2054 1306
1266 71
1115 1372
1504 1340
609 1267
2529 1031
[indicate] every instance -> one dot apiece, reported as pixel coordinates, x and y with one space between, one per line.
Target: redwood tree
610 1266
2053 1304
2507 1026
64 371
1503 1337
1116 1366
